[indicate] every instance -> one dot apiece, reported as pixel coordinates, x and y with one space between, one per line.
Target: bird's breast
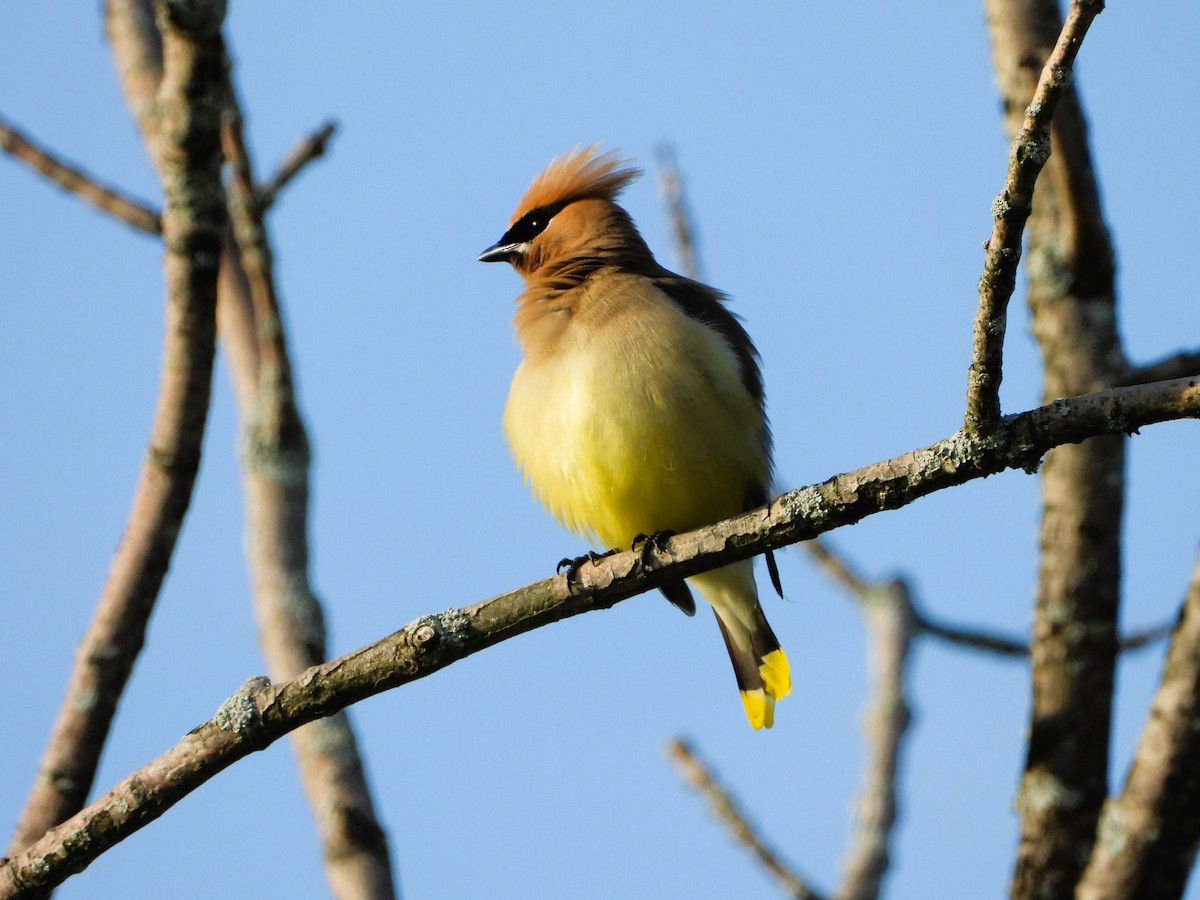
637 422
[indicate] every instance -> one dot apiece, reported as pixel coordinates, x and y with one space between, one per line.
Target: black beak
500 252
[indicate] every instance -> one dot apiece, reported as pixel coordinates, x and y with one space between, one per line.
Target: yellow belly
635 431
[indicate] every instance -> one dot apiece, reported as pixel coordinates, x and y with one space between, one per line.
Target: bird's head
569 212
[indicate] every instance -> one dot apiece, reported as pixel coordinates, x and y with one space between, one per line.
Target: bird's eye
532 223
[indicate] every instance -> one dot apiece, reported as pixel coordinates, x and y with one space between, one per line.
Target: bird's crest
578 175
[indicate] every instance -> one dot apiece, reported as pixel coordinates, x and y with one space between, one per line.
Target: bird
637 409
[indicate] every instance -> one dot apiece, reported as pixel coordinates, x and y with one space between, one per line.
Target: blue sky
841 167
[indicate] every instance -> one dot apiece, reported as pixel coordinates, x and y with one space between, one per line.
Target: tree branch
725 810
1072 300
78 182
1179 365
670 188
1148 835
193 219
888 613
261 713
275 475
307 150
841 571
1029 152
1000 645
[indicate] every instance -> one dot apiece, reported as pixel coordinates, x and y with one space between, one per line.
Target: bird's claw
572 564
644 544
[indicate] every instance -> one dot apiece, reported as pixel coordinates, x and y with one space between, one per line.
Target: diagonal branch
1029 152
78 182
309 148
1148 834
193 220
261 713
132 212
725 810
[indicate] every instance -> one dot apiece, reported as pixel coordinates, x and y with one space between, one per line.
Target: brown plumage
638 407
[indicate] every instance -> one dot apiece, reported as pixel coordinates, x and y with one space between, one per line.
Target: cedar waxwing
638 406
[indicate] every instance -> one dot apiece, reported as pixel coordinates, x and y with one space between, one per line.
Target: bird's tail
758 661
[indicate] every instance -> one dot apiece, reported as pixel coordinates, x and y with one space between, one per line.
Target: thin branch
1148 835
888 614
891 623
973 639
838 568
275 474
78 182
1029 152
1000 645
261 713
670 188
193 219
725 810
1179 365
307 150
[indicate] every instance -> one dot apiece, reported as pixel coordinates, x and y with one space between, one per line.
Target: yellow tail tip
776 675
777 684
760 708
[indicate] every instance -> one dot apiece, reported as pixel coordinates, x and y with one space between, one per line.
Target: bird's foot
572 564
645 544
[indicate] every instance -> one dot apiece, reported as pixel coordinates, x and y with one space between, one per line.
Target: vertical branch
670 188
892 623
889 618
189 160
275 478
1074 637
1031 147
1148 835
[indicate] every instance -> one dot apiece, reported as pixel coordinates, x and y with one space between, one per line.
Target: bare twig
275 475
838 568
891 622
78 182
725 810
261 713
193 219
887 610
309 148
841 571
1179 365
1000 645
1148 835
670 187
1030 150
